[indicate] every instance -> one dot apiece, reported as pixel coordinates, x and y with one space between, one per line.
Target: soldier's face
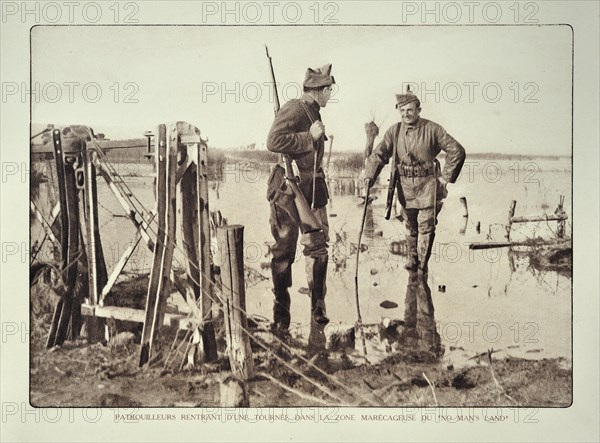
323 96
409 113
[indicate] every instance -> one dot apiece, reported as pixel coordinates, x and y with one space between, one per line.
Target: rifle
394 177
391 191
308 221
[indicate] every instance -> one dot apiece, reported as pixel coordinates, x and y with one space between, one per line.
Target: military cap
405 99
318 78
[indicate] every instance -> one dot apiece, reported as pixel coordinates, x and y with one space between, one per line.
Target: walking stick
314 181
359 316
329 154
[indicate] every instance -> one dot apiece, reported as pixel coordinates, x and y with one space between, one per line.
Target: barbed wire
215 298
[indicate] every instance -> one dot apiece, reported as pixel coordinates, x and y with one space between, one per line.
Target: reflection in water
420 332
341 246
540 260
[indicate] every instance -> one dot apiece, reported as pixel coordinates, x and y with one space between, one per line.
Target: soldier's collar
413 126
310 101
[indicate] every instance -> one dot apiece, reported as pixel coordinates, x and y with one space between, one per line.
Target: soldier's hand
443 182
368 182
317 130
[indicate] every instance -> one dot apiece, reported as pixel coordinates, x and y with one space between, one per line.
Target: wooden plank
125 204
69 202
189 137
51 230
156 271
189 192
164 246
60 172
231 247
206 277
189 230
70 265
90 229
135 143
102 273
170 228
119 267
539 218
181 320
508 244
46 225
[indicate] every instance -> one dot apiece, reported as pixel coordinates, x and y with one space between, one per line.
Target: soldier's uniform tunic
290 135
419 190
420 194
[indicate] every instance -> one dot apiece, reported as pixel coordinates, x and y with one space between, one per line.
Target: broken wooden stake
560 231
231 245
463 228
463 202
234 392
511 214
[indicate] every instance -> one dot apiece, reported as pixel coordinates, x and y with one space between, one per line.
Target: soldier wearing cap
422 185
298 132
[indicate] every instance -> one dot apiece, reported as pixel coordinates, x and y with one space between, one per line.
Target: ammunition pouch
415 170
321 192
277 189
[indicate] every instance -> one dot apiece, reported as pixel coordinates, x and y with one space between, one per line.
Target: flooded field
483 299
486 300
525 311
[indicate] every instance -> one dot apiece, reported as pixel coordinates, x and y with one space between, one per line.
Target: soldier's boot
424 247
412 261
281 312
281 305
316 270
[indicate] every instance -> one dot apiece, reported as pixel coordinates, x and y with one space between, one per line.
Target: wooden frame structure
559 216
182 166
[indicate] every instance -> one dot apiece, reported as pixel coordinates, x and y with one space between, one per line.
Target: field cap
317 78
404 99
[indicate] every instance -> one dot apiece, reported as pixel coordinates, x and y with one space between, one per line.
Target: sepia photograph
333 221
276 216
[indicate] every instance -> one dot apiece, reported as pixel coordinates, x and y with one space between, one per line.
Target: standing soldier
422 186
298 133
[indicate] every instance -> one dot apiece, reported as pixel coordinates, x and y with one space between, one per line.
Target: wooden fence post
511 214
560 231
463 202
231 246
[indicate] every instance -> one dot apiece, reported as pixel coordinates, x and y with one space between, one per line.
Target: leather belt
305 174
414 170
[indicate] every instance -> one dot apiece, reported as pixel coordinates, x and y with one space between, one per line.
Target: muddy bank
107 375
79 374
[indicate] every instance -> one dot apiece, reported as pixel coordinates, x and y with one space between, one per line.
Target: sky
503 89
